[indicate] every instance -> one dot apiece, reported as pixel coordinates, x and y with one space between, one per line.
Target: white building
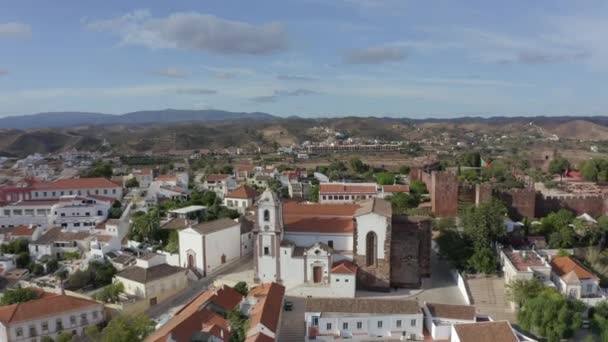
56 241
439 318
77 187
240 199
80 213
209 245
301 246
152 280
221 184
144 177
524 265
337 192
26 213
574 280
48 316
330 319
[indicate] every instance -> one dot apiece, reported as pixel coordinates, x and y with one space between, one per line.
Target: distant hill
71 119
580 130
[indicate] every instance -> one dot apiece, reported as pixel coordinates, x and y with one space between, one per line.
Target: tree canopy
124 328
18 296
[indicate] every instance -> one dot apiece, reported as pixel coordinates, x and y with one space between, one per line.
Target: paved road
167 308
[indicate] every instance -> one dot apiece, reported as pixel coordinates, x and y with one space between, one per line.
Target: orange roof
191 315
217 177
319 224
564 265
344 267
347 188
317 209
268 310
203 320
77 183
23 231
243 192
325 218
396 188
50 304
260 290
167 178
245 168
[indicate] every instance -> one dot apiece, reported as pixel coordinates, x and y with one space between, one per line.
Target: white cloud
195 91
195 31
15 30
171 72
278 94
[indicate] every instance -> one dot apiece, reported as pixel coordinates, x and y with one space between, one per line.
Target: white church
326 249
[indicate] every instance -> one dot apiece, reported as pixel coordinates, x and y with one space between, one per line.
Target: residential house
203 318
299 190
499 331
29 233
56 241
524 265
246 235
240 199
144 177
221 184
152 280
80 213
439 318
206 246
576 281
264 306
48 316
360 319
243 172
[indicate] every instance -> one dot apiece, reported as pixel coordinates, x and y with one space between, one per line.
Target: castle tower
267 233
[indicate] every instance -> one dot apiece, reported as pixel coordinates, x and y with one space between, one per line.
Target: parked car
288 306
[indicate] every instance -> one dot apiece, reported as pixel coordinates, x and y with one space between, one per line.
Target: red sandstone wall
444 193
592 205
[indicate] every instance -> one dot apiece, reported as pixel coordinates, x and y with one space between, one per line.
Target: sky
311 58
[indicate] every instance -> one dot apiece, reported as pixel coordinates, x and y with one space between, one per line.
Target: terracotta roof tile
461 312
216 225
322 218
77 183
564 265
242 192
18 231
344 267
268 309
57 234
500 331
144 275
194 317
48 305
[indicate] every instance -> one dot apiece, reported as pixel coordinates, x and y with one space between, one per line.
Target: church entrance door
317 274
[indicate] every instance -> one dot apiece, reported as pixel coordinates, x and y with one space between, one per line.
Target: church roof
375 205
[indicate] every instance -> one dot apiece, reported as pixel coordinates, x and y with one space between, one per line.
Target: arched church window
370 249
266 215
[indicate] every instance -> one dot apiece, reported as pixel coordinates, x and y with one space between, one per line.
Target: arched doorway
190 261
371 250
317 274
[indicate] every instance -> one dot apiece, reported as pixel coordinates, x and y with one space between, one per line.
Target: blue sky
306 57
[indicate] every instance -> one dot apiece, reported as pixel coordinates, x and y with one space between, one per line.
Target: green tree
401 202
385 178
519 291
483 260
125 328
99 169
132 183
208 198
559 165
18 296
455 247
484 224
64 337
471 159
93 333
418 188
110 293
23 259
241 287
404 169
600 320
52 265
15 247
238 325
314 194
551 315
46 339
358 166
